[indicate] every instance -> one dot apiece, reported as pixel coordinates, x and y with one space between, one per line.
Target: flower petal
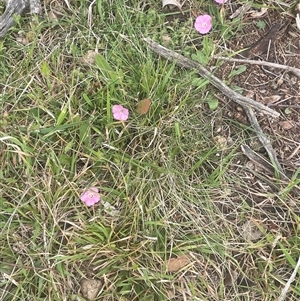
90 196
203 24
120 113
221 1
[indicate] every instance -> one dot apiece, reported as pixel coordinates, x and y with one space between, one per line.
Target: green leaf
106 69
212 103
200 57
87 99
261 24
240 69
62 116
287 111
45 69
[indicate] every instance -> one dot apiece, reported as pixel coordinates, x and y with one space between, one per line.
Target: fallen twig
289 282
265 142
215 81
12 8
247 103
296 150
295 71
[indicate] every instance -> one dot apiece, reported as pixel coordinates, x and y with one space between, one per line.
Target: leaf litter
143 106
175 264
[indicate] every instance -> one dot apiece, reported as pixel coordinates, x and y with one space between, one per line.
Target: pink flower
221 1
203 24
120 113
90 196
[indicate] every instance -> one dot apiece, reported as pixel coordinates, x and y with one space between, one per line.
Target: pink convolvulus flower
90 196
203 24
221 1
120 113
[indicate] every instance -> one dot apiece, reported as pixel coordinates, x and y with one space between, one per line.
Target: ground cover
180 212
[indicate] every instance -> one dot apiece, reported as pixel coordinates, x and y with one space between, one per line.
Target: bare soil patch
273 87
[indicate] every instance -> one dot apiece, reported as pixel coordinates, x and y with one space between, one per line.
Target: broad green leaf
212 103
106 69
239 70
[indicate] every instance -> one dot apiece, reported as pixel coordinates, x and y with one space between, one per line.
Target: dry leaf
166 38
143 106
221 142
259 14
175 264
286 125
230 278
90 288
271 99
241 11
89 57
23 40
55 15
52 16
250 231
171 3
110 210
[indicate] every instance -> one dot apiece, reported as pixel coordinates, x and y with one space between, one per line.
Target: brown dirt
273 87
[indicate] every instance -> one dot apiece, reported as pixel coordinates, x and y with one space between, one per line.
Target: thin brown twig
264 141
296 150
284 106
247 103
295 71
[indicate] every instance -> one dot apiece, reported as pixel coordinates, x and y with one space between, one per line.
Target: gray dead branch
14 8
294 70
248 104
221 86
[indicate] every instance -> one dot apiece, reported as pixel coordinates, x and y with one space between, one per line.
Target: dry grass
178 184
